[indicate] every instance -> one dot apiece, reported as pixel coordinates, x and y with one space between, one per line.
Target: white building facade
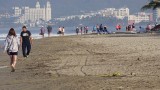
121 13
27 14
156 14
140 17
118 13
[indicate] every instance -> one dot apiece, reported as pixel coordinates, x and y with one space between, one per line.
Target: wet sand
88 62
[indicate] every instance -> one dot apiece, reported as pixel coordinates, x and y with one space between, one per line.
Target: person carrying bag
12 45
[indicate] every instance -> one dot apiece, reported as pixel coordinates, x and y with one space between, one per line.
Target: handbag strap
10 43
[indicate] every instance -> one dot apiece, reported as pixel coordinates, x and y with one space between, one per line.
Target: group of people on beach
149 27
61 31
43 30
82 30
13 44
100 29
130 27
118 27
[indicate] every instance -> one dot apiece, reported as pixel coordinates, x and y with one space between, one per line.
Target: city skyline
42 13
119 13
73 7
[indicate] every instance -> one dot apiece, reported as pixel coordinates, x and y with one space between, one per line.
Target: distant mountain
69 7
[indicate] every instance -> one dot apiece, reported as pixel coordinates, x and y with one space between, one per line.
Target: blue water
35 32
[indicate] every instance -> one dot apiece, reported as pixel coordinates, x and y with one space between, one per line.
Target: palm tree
152 5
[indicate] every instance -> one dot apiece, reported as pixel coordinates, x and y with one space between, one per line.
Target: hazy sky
69 7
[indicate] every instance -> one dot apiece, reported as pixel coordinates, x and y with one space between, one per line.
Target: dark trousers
26 48
98 31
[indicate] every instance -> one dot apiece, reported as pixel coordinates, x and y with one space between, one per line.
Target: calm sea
35 32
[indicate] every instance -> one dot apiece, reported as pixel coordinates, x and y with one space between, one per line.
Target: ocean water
35 32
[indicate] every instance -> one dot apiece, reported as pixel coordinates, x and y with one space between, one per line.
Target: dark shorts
13 53
59 32
49 31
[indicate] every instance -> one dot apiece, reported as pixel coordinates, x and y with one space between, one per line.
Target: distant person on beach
12 45
77 30
118 27
101 28
133 26
106 30
26 41
49 28
59 31
42 31
86 29
63 31
126 28
149 27
129 27
81 30
94 29
98 30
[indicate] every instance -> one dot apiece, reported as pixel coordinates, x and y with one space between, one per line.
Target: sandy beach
87 62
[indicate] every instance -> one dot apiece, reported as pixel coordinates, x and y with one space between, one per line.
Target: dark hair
24 27
12 32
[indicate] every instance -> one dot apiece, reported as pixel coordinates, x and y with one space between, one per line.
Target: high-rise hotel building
27 14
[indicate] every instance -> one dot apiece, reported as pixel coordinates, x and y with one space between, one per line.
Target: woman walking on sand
12 45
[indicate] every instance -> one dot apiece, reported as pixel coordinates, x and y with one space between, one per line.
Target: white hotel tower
27 14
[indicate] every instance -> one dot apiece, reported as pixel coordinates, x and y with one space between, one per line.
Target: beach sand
88 62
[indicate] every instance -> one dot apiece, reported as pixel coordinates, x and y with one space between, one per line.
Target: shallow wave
34 36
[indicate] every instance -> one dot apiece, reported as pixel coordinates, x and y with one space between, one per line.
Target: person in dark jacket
49 29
